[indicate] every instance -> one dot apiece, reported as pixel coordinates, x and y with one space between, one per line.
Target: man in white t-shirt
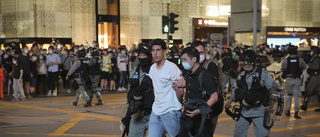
166 109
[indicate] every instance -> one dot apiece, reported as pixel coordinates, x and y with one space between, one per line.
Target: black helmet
292 50
249 56
143 48
81 53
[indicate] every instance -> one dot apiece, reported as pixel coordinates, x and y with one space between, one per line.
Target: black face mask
144 61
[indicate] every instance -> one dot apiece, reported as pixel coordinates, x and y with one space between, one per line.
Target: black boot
303 107
99 103
75 103
296 115
288 113
88 104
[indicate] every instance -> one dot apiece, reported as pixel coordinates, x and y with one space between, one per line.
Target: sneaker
119 89
68 91
75 103
317 110
23 98
15 99
124 89
64 90
49 94
54 94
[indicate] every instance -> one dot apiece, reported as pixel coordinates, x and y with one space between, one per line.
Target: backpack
218 106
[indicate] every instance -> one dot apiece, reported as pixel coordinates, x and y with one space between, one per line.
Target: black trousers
42 84
52 80
66 83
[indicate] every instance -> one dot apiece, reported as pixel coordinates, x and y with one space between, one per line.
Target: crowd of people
162 80
35 70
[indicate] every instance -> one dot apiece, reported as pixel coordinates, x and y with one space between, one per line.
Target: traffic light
165 24
173 22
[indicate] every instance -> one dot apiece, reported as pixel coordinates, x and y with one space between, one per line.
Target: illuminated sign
295 29
200 21
215 23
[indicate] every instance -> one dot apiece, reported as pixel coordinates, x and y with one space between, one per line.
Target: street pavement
56 116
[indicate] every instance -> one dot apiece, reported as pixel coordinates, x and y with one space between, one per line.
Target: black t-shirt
133 58
24 61
192 84
16 73
33 68
7 64
114 61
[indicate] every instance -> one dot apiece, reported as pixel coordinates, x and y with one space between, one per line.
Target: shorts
104 75
34 82
111 76
26 77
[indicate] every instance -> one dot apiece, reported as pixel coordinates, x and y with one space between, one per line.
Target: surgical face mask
41 46
248 68
202 58
234 53
64 53
94 44
76 50
109 49
186 65
114 51
26 51
50 51
34 58
123 52
311 53
14 62
6 56
40 57
55 47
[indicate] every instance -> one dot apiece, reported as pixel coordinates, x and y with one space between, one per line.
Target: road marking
32 117
74 135
295 127
67 126
66 111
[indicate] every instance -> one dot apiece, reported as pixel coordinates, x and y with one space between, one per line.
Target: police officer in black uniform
79 69
140 96
313 82
95 72
292 68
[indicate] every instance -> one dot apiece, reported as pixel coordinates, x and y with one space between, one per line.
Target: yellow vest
107 68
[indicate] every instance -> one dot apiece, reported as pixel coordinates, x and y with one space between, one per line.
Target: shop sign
291 29
211 22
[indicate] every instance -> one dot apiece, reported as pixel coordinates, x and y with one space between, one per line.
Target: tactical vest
142 91
107 68
293 67
82 71
95 69
257 94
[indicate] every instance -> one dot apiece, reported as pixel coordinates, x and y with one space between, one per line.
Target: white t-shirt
165 96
